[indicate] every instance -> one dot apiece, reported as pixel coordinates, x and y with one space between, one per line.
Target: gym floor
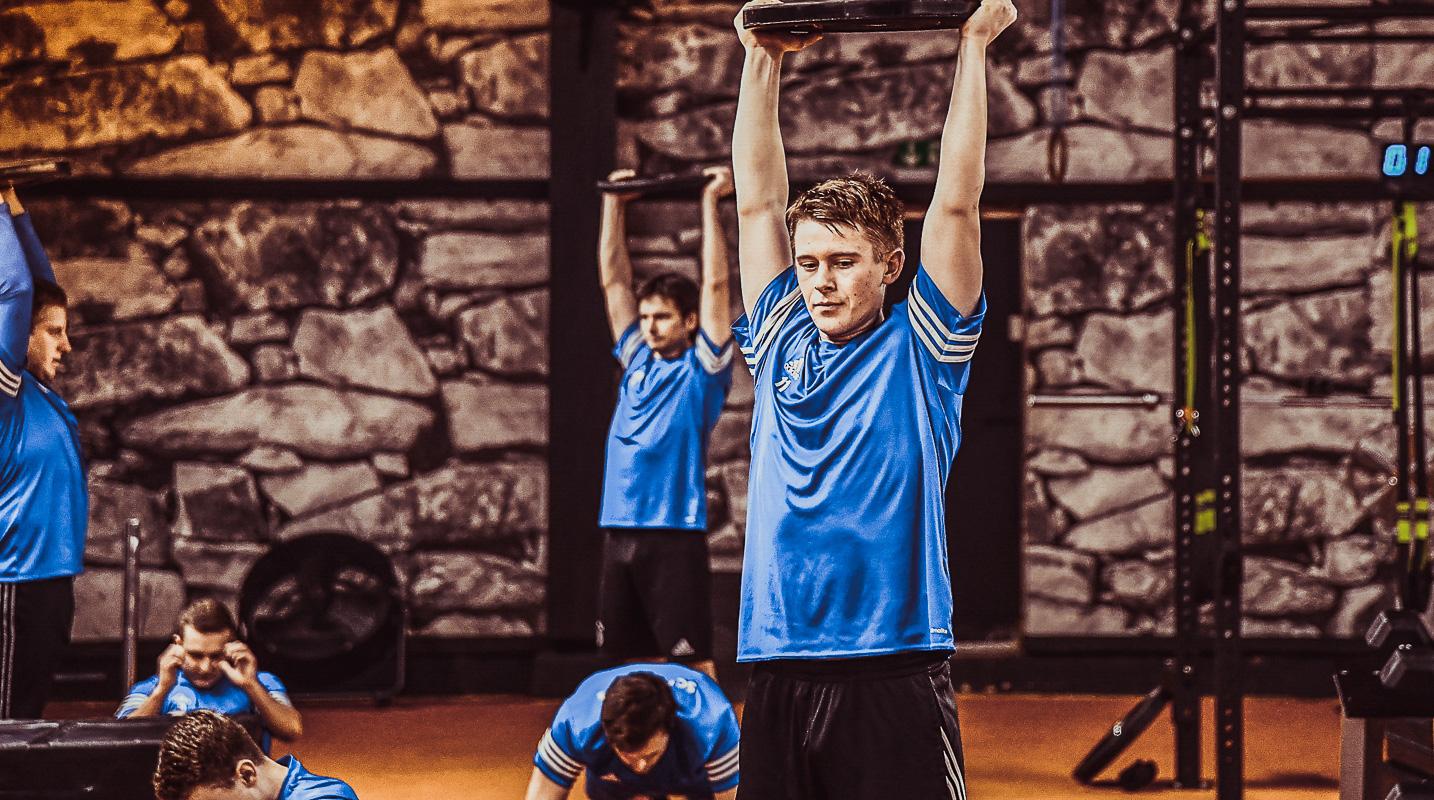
1018 746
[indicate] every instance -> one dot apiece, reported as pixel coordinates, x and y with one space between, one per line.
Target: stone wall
250 370
1317 499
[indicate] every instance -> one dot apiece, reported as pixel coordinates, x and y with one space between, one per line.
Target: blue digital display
1397 163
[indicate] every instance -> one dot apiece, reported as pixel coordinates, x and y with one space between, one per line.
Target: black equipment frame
1207 341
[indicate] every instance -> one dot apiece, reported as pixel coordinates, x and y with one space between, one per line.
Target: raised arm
614 263
35 257
951 235
759 162
715 311
16 290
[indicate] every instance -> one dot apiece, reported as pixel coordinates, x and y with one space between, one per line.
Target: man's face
663 327
842 282
245 786
203 652
645 758
49 342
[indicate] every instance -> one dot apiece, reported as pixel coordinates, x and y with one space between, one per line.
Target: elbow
965 211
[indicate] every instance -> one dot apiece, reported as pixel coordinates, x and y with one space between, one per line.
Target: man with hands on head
207 667
674 343
846 597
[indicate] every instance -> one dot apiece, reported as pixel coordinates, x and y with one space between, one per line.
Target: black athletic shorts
35 620
852 729
655 596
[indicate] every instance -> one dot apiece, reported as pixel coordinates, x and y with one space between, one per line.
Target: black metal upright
1193 456
1225 425
583 125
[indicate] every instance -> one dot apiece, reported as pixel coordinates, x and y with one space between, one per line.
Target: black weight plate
35 170
670 184
859 16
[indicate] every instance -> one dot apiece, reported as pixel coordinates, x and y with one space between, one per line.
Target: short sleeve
722 762
716 361
756 330
275 687
628 345
136 697
557 755
946 339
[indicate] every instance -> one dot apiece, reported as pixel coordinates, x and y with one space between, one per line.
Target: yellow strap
1205 512
1197 246
1421 519
1401 523
1399 232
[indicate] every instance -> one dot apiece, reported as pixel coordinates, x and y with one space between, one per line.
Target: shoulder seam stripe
561 762
939 326
776 320
936 352
778 313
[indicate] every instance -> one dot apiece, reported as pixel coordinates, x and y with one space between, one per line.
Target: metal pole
131 601
1225 427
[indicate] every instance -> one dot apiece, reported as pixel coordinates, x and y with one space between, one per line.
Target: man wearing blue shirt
846 597
674 344
44 505
641 730
207 756
206 667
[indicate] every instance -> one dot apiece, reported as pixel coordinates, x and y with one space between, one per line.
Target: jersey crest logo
683 648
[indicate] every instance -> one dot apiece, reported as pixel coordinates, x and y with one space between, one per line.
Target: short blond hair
859 202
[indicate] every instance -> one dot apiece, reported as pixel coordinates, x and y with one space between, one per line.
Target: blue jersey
300 784
701 755
851 447
223 698
44 505
657 444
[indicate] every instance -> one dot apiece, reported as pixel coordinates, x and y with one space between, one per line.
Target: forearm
759 161
614 261
280 718
615 266
962 170
730 794
35 258
541 787
716 314
759 171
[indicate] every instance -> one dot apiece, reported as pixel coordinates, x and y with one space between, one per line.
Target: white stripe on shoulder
939 327
630 344
729 757
945 351
713 361
775 320
937 352
554 757
9 381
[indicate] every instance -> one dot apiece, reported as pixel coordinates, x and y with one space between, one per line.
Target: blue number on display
1396 160
1421 161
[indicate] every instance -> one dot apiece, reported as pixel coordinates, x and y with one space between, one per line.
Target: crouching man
207 756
